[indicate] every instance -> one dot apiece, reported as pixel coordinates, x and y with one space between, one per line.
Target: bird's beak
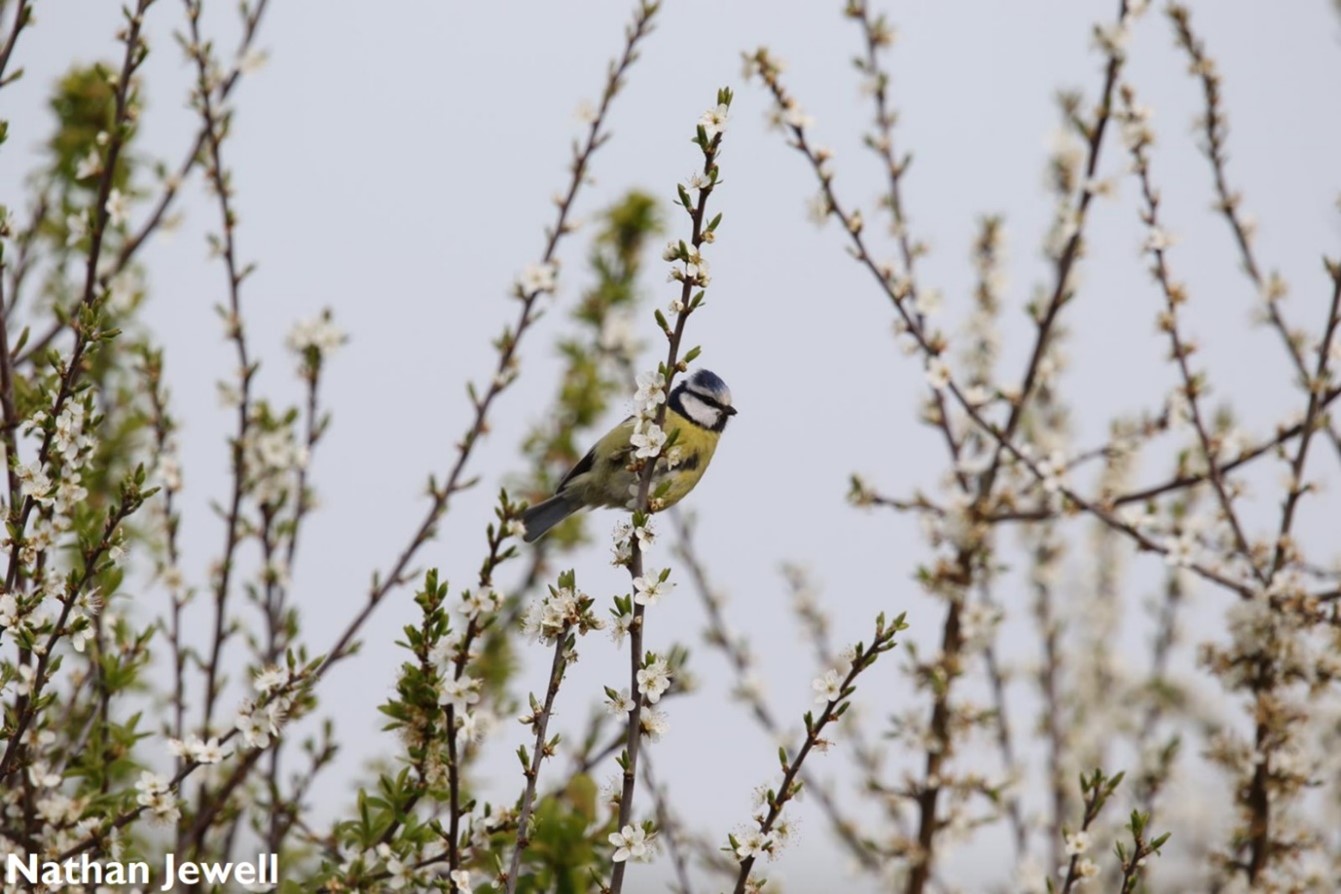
730 411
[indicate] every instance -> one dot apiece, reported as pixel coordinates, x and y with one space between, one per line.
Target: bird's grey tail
543 516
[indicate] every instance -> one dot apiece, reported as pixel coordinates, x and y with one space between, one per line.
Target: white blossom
648 589
207 751
630 844
156 795
269 679
620 628
651 393
253 725
828 686
654 680
619 704
76 228
559 610
755 844
89 165
318 332
654 724
538 278
9 611
117 207
938 373
713 121
648 439
461 693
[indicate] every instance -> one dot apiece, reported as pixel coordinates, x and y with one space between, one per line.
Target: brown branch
931 347
1061 292
719 635
1174 296
700 231
85 329
9 422
215 123
669 827
1316 387
251 22
1215 129
26 258
23 16
25 708
877 37
882 641
86 333
504 372
541 749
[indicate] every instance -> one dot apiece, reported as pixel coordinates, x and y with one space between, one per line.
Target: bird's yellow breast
694 447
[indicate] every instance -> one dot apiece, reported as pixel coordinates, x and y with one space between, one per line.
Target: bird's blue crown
711 384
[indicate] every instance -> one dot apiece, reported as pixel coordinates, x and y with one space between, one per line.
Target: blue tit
696 415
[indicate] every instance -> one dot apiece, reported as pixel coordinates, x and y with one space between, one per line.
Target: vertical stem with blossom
691 270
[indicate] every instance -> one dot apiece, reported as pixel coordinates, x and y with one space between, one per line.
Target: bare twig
23 16
669 827
540 749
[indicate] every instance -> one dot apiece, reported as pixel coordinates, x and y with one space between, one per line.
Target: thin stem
720 635
863 658
85 334
669 828
687 304
73 368
25 708
23 16
9 414
1174 296
1228 201
1065 264
215 121
505 371
541 749
877 37
932 346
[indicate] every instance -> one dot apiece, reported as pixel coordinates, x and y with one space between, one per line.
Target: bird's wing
618 451
583 465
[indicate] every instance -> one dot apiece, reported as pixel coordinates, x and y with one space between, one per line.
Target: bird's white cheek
700 412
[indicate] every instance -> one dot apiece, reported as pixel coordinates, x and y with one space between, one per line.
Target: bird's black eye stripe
708 400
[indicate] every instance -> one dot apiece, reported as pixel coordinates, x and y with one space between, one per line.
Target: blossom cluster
561 610
314 340
274 456
648 438
260 719
628 532
57 486
155 794
202 751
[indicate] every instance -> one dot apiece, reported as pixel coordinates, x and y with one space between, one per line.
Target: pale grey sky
396 162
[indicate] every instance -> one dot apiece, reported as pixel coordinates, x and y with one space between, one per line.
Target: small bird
698 410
